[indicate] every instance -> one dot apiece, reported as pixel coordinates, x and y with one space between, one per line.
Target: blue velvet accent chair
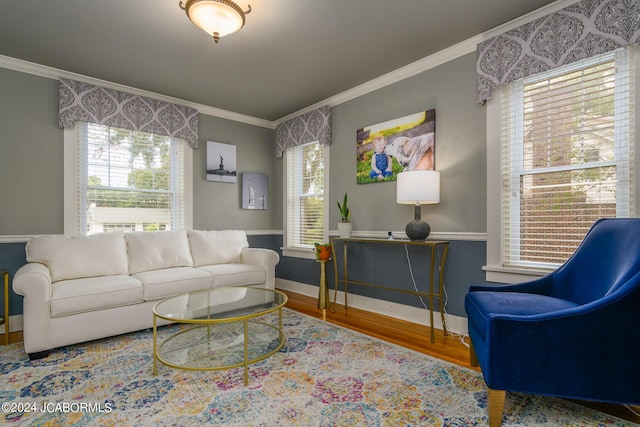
574 333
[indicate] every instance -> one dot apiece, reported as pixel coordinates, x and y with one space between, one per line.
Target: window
566 157
305 167
125 180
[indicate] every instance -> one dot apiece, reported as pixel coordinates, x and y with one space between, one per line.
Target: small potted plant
344 226
323 251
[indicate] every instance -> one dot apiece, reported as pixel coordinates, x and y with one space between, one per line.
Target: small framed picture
221 162
255 191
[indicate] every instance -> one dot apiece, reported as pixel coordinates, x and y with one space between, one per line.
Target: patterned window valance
83 102
312 126
585 29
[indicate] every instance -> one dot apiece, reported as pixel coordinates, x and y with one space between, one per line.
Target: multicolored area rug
324 376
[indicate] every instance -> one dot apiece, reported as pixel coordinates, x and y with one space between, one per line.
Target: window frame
494 268
72 172
296 251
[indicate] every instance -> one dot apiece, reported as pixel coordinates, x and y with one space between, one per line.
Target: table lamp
418 187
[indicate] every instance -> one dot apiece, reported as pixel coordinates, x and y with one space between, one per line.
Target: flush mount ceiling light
217 18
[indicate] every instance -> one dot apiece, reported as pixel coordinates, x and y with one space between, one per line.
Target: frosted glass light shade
213 17
217 18
418 187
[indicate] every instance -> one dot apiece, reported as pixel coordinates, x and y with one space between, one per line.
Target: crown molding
395 76
55 74
431 61
410 70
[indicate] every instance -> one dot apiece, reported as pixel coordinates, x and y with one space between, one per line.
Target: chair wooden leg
473 359
496 407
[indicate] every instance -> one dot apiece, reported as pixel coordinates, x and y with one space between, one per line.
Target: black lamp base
417 230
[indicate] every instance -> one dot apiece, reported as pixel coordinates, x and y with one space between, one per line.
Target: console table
435 245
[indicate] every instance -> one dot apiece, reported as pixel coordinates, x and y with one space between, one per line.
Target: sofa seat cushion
94 293
157 250
167 282
235 274
482 304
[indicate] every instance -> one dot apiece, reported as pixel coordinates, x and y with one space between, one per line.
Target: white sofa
79 289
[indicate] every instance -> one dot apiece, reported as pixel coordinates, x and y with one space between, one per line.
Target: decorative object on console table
5 314
344 226
417 188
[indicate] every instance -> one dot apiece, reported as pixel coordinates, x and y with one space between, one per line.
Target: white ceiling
291 53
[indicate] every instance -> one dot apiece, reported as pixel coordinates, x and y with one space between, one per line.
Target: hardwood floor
400 332
416 337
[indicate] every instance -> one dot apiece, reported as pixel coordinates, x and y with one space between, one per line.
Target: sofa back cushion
102 254
153 250
217 247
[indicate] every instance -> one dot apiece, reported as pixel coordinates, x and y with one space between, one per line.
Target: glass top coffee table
228 328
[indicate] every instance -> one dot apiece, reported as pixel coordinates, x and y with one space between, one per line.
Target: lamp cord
444 288
632 410
415 286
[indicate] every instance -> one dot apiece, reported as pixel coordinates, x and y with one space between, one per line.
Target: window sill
299 253
502 274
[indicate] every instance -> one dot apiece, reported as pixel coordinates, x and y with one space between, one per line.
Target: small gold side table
5 315
323 298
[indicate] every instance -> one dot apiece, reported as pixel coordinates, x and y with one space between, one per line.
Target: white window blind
129 180
567 157
305 195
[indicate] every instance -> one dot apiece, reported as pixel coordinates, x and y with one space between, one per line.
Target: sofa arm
33 282
265 258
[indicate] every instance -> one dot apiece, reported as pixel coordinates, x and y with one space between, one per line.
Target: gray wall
31 173
31 155
460 151
461 160
216 205
31 164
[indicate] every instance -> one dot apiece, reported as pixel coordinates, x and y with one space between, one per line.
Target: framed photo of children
385 149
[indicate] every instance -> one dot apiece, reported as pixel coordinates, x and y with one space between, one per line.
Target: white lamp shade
215 17
418 187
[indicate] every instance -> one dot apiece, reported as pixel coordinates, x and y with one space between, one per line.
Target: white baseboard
15 324
455 324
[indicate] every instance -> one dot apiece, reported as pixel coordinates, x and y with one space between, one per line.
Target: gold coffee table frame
213 342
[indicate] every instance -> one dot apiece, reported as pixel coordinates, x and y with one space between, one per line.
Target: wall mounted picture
255 191
221 162
385 149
